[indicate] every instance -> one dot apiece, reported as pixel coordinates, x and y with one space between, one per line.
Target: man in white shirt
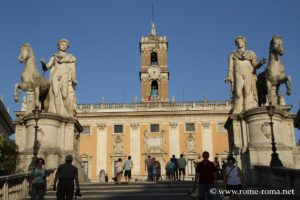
128 165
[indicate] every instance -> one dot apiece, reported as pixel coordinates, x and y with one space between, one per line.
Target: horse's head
276 45
25 53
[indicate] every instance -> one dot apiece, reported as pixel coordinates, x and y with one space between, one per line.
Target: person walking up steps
170 170
175 160
38 184
119 170
206 175
66 174
181 165
128 165
149 165
233 177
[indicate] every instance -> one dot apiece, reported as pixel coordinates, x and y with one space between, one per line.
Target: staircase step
132 191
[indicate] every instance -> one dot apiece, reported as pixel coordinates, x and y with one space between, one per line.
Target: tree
9 156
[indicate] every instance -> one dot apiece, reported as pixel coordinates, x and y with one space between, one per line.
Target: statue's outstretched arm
261 63
257 65
48 65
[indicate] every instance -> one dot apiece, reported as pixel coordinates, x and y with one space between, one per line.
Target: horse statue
31 79
269 81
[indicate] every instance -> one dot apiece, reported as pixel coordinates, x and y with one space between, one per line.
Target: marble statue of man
242 65
62 67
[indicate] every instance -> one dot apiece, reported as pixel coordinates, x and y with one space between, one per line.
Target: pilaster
135 148
174 139
207 144
101 147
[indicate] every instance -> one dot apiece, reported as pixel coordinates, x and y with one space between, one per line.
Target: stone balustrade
277 178
17 186
200 105
14 186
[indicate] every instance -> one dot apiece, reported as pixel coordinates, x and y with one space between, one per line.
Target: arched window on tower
154 58
154 91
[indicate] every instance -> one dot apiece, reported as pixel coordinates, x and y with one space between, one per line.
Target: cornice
152 114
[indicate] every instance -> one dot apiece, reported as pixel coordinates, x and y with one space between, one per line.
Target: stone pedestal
250 137
58 136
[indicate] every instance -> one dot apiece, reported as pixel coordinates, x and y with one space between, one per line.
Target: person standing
62 97
38 184
233 177
175 160
128 165
157 167
119 170
181 166
154 173
170 170
66 174
206 176
149 165
217 165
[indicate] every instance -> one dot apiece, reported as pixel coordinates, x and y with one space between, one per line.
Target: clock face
154 72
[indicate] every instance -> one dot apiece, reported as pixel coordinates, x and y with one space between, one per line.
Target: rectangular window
190 127
154 128
221 127
85 165
86 130
118 128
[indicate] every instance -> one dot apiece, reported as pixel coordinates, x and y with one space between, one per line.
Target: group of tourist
120 167
176 167
207 176
64 179
153 168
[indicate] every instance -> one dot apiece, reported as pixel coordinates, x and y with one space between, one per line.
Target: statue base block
250 138
57 137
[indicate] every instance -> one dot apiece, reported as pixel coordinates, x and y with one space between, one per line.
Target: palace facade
155 125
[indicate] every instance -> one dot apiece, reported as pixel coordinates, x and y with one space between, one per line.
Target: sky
105 35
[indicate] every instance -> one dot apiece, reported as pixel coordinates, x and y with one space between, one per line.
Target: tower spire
153 29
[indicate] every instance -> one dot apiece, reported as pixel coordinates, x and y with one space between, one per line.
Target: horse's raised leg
288 84
17 92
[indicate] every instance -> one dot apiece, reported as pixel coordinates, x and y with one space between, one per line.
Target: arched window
154 58
154 89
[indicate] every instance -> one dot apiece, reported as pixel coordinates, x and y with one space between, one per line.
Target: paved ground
153 191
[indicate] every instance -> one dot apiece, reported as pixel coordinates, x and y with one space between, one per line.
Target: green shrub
8 156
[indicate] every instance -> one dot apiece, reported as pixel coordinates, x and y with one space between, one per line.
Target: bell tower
154 72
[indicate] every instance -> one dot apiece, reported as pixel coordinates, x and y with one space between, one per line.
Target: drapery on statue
242 65
31 79
62 80
269 80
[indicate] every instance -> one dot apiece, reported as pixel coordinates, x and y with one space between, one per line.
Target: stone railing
278 178
15 187
197 105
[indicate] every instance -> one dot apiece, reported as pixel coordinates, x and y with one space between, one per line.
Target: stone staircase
132 191
152 191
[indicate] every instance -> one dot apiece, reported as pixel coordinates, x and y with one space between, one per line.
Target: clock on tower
154 73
